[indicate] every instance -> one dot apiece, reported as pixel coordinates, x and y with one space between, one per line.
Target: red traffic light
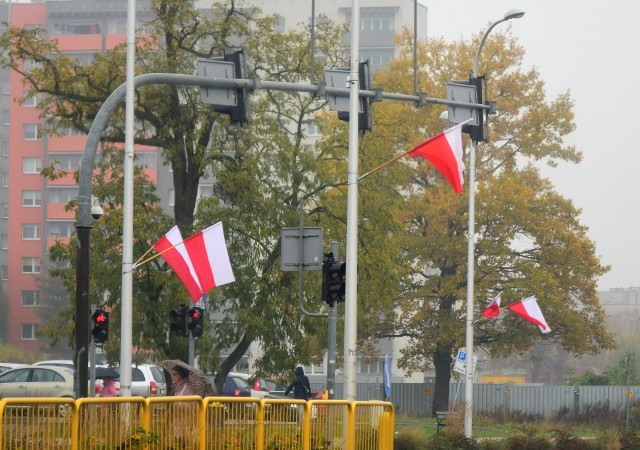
100 318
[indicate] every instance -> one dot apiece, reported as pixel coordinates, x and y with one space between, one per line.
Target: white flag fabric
200 261
529 310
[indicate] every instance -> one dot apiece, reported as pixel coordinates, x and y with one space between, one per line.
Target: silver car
147 380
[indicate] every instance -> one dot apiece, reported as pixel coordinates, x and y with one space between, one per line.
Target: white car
147 380
37 381
8 366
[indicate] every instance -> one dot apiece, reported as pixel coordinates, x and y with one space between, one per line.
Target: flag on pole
444 151
529 310
200 261
175 254
493 309
209 251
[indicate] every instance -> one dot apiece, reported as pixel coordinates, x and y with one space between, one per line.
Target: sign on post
460 365
311 249
463 93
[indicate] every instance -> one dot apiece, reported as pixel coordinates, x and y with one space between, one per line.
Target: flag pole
145 254
154 256
394 159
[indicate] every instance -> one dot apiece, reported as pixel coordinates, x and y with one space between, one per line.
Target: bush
409 439
527 438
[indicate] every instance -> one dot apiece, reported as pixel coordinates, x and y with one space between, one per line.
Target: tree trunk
442 361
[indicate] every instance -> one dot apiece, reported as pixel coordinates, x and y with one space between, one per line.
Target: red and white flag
208 251
493 309
444 151
529 310
201 261
179 260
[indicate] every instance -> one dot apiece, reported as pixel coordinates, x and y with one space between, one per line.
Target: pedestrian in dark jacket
301 390
301 387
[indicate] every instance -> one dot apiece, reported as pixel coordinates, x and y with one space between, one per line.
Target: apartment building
32 214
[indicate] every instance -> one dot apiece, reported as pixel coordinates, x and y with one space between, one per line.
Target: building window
61 195
32 132
6 89
4 210
4 241
4 272
29 331
31 198
376 366
30 265
376 24
70 161
60 229
172 197
5 148
5 117
4 179
30 231
29 100
30 298
313 129
314 369
146 160
31 165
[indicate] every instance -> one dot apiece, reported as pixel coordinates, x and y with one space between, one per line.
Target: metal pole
332 329
126 304
628 363
468 391
350 305
81 356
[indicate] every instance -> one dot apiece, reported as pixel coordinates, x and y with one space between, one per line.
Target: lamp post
468 391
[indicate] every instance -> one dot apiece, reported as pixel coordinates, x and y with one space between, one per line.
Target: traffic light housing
179 320
100 330
197 324
239 114
333 280
478 132
365 118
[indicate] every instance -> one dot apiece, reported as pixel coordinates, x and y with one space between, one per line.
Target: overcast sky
589 48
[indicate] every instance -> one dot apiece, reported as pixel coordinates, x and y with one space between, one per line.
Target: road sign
460 365
311 249
464 93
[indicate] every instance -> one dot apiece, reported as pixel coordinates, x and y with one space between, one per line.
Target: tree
529 240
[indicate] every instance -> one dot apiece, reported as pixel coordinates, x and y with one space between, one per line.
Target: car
147 380
56 362
37 381
8 366
254 391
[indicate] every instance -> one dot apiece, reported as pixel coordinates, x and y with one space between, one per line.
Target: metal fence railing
193 423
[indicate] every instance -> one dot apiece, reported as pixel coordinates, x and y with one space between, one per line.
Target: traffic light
100 330
365 118
239 113
197 325
179 320
477 132
333 280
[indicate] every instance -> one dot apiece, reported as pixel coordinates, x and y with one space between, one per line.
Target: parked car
67 363
8 366
147 380
37 381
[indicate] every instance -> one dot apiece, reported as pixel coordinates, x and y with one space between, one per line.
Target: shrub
527 438
412 438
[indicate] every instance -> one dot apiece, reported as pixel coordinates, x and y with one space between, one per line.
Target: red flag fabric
444 151
529 310
200 261
180 261
208 250
493 309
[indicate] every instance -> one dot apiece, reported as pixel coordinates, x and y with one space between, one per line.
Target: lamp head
514 13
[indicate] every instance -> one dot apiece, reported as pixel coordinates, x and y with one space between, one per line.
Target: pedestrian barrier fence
194 423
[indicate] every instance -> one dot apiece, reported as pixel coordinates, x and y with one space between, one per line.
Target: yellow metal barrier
110 423
193 423
43 423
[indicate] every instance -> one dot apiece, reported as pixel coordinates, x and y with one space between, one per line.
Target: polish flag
529 310
493 309
179 260
208 251
444 151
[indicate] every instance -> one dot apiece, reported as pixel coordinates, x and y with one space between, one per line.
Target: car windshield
136 374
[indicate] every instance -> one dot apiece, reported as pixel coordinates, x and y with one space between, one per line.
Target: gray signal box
312 255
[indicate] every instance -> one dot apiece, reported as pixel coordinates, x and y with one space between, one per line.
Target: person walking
109 388
301 389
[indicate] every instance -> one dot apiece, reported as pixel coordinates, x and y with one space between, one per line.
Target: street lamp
468 391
